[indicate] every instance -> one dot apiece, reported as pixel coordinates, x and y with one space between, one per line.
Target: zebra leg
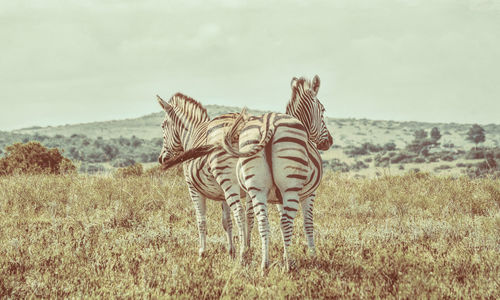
259 201
201 217
288 212
250 219
254 174
233 201
307 212
227 224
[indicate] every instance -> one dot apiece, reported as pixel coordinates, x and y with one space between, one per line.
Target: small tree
435 134
33 158
420 134
420 143
476 134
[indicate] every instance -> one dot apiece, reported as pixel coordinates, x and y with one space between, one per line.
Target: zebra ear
294 82
166 107
315 84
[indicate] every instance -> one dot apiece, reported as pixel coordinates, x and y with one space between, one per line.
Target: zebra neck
194 136
295 109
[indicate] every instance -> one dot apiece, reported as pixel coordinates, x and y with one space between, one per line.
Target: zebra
184 132
289 169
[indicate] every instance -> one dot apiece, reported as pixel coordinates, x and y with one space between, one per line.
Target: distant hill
346 132
361 146
145 127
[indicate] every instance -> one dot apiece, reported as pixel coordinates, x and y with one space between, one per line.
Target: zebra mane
293 104
186 103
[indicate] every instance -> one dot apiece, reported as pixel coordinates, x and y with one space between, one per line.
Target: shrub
421 143
448 157
488 167
402 157
33 158
91 168
390 147
123 162
442 167
156 171
365 149
133 170
338 166
358 165
475 153
476 134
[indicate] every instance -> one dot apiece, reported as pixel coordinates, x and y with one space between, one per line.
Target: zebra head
171 137
182 115
306 107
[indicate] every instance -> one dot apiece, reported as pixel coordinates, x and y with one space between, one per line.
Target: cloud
371 55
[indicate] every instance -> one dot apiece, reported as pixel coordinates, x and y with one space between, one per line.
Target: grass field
407 236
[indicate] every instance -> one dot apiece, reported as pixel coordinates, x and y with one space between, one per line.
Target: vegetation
421 143
93 152
411 236
33 158
133 170
476 134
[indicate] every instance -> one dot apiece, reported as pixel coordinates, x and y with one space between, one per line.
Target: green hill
361 146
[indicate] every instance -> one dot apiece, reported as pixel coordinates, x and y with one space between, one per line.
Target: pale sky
76 61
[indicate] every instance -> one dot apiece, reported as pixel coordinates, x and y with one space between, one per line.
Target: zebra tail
189 155
233 135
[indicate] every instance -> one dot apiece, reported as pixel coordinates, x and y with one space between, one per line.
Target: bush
442 167
390 147
91 168
402 157
358 165
448 157
157 171
33 158
475 153
365 149
123 162
338 166
133 170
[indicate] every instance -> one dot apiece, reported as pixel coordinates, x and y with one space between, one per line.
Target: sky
75 61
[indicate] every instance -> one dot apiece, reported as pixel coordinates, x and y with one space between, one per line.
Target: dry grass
406 236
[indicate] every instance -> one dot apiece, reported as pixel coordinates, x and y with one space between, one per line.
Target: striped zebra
185 132
289 169
222 165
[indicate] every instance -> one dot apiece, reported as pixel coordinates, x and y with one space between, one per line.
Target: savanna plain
414 235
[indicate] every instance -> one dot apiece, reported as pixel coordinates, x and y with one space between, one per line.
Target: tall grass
395 236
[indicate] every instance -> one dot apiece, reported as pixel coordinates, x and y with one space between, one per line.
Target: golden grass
396 236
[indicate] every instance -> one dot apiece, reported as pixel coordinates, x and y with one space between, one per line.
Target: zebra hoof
264 268
201 254
311 252
289 265
232 252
